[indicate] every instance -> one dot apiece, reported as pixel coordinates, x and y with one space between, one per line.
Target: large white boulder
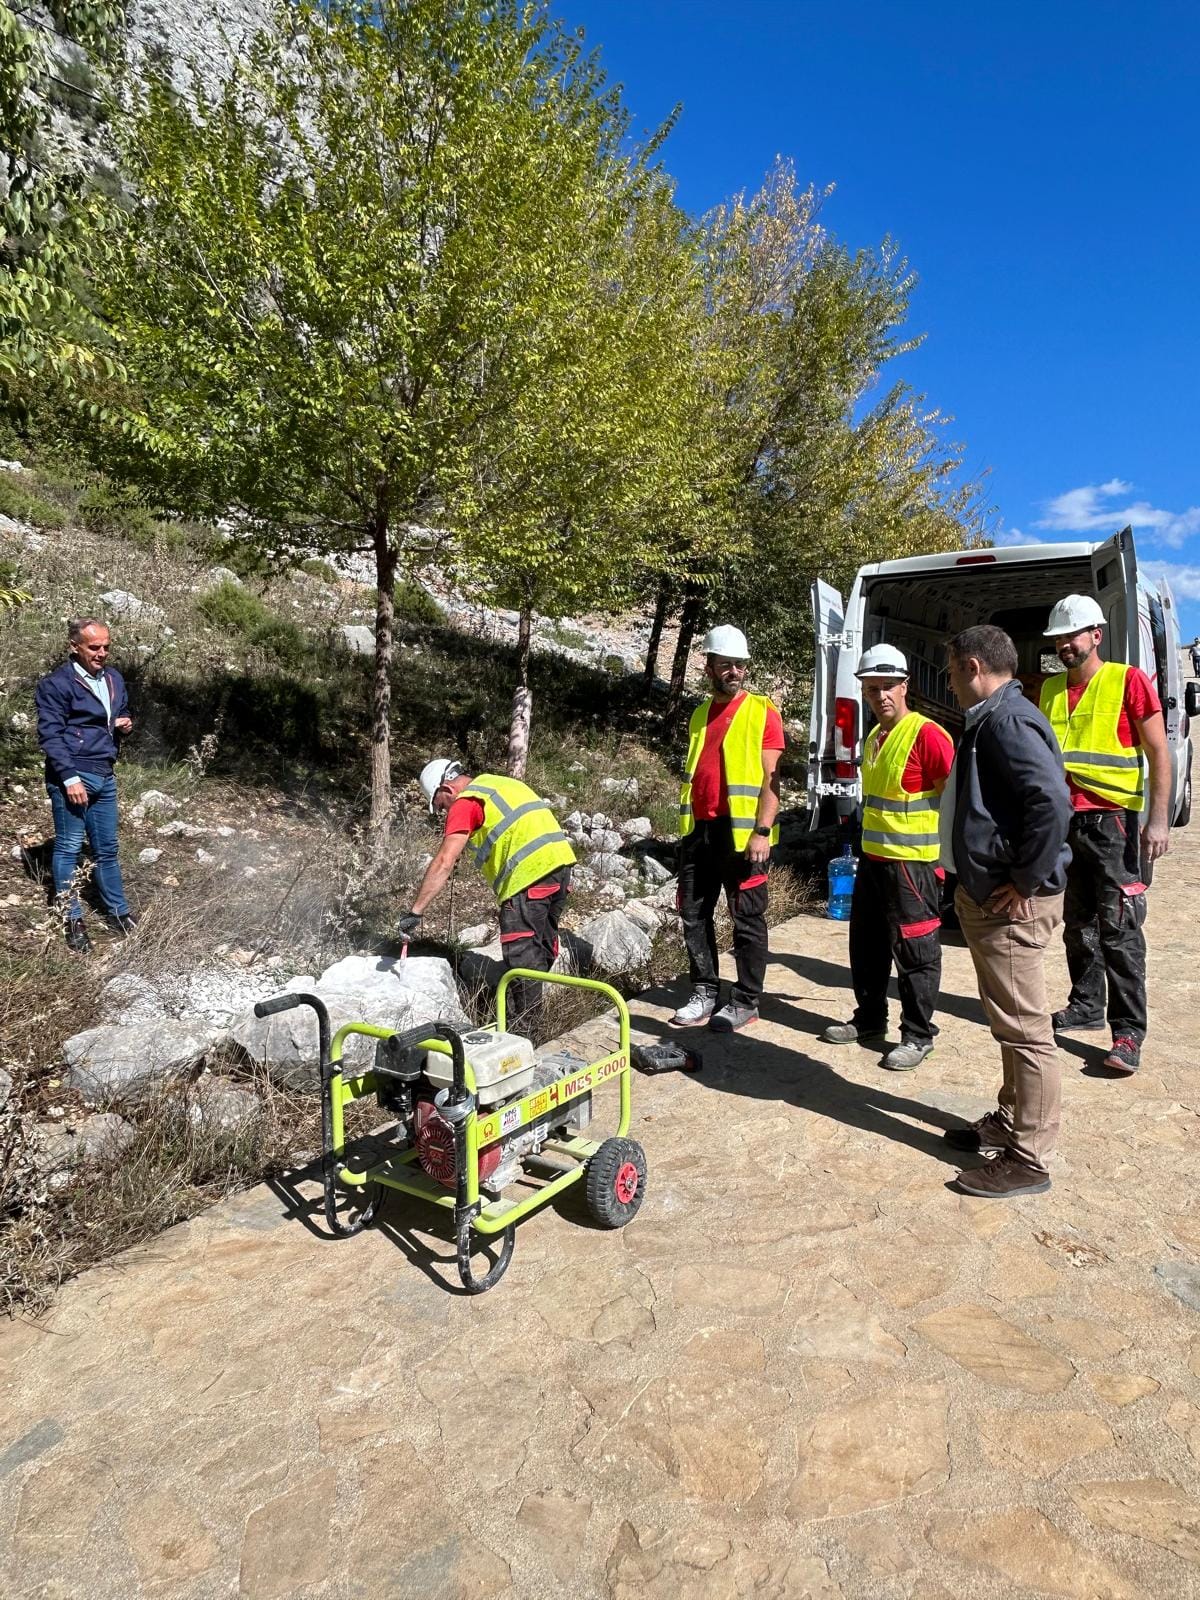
653 871
356 638
377 989
603 839
607 864
127 607
637 828
127 1062
617 944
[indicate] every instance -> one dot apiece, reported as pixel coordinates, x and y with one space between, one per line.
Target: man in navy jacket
1004 819
82 711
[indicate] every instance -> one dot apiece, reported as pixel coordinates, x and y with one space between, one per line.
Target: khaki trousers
1010 966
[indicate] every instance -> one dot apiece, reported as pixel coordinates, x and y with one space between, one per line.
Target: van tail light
845 737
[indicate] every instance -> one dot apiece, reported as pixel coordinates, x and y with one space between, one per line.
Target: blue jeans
98 824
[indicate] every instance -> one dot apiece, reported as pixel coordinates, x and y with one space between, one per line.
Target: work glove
408 924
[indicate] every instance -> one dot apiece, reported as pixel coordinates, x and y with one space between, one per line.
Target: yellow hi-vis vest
897 825
1092 752
520 840
741 754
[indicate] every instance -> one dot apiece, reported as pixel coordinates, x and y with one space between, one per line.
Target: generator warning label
505 1120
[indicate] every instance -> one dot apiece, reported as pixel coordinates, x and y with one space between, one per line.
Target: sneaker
1071 1020
696 1010
77 938
121 923
1001 1179
906 1056
733 1016
851 1033
1125 1055
987 1136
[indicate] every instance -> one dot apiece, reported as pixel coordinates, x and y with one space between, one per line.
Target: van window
1158 627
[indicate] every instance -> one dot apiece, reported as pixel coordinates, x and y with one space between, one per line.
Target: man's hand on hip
76 794
1009 902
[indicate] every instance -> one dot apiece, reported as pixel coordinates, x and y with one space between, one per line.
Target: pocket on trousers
1132 909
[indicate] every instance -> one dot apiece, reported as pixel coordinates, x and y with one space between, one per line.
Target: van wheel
1184 815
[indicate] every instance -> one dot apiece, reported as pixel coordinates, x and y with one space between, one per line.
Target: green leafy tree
47 213
350 274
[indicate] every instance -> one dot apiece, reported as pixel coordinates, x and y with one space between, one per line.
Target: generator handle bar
287 1002
568 980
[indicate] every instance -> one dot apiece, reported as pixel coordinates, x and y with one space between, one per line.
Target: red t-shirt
465 814
929 761
1141 701
710 795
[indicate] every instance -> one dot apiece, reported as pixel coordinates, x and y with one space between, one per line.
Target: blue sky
1039 166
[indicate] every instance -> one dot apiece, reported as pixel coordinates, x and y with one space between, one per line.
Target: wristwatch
763 833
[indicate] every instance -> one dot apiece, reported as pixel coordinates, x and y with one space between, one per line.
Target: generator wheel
616 1182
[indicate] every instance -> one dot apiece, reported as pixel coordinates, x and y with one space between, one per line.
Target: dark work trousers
709 865
894 917
1103 916
529 938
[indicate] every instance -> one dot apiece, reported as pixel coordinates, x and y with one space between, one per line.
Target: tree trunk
688 618
381 704
656 630
522 701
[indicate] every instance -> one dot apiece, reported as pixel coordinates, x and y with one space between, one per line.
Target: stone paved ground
808 1369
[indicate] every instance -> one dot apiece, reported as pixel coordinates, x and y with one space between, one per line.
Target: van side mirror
1191 699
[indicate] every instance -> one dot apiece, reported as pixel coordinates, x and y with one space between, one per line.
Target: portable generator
486 1128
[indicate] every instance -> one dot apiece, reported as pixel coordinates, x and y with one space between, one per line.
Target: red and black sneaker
1125 1055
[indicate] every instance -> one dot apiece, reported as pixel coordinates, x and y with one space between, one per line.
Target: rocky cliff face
207 34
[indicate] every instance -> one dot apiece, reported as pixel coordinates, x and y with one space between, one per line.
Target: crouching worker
518 845
895 915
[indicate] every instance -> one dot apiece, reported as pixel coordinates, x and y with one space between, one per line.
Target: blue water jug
841 885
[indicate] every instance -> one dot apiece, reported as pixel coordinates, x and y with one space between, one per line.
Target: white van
920 602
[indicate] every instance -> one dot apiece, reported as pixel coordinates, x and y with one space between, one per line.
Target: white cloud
1097 508
1015 536
1184 580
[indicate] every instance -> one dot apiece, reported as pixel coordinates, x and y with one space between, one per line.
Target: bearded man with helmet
727 810
518 845
895 913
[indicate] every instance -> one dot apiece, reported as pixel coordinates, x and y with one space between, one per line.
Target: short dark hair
990 646
77 624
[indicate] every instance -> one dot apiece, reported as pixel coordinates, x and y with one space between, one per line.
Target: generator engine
505 1071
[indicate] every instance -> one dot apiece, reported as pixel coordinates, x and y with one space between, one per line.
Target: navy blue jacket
1012 808
72 729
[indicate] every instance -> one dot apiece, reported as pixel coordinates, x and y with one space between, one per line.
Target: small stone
206 858
478 933
604 839
103 1137
653 871
1122 1388
217 1106
599 821
181 830
638 828
225 831
359 640
5 1087
616 944
148 856
607 865
156 800
627 788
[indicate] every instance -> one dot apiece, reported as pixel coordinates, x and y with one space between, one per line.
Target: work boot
733 1016
121 923
1125 1055
851 1033
1072 1020
77 938
695 1011
987 1136
1001 1179
906 1056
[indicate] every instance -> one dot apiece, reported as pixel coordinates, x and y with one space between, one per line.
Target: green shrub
23 505
316 568
239 612
104 510
414 606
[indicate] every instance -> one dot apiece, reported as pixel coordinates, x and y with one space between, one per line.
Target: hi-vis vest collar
520 841
1092 751
741 754
897 825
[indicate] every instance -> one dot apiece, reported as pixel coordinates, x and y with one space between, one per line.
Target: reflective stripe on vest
741 760
520 840
901 826
1092 751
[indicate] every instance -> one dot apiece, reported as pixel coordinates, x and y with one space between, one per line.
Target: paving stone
286 1545
1036 1443
863 1454
1149 1508
721 1285
1083 1337
1183 1419
168 1541
1018 1273
1122 1388
729 1348
656 1565
1182 1279
558 1525
995 1350
834 1324
1027 1548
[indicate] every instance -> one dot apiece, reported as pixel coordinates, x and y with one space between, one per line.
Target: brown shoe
987 1136
1001 1179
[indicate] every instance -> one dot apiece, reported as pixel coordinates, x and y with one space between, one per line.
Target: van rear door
1114 578
829 617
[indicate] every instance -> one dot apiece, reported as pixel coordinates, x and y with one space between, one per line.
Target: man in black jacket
1004 819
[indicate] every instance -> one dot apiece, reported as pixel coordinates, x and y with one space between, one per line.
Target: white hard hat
1073 614
882 661
726 641
434 774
